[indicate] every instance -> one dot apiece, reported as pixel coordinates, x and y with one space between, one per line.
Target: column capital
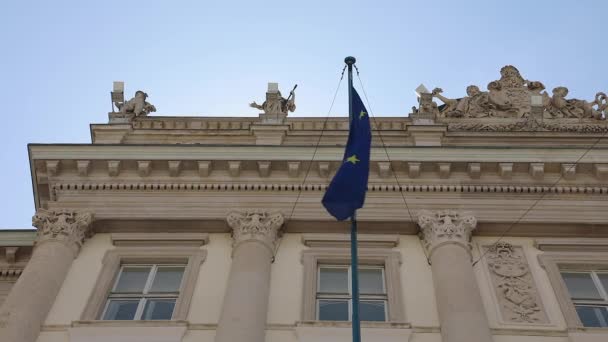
442 227
260 226
67 226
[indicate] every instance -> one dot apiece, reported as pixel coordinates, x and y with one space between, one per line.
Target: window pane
604 280
132 279
370 281
333 310
333 280
167 279
580 286
158 309
372 311
121 310
593 316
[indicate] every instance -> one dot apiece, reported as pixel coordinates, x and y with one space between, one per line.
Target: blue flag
346 192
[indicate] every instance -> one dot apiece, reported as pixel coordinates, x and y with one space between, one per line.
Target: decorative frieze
52 167
113 167
413 169
444 170
430 187
505 170
204 168
568 171
474 170
261 226
70 227
293 169
537 170
175 167
83 167
323 169
442 227
384 169
234 168
144 167
264 168
514 286
601 171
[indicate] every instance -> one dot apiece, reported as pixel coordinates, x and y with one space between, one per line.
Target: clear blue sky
203 58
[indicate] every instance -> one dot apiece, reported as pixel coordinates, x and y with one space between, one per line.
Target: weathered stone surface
513 284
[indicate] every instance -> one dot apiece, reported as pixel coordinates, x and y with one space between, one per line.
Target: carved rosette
514 286
68 226
442 227
260 226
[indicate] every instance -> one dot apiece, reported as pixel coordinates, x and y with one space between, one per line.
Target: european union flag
346 192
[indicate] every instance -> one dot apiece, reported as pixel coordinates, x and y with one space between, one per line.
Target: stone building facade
485 220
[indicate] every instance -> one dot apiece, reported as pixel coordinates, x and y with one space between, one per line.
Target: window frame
386 258
349 297
601 291
555 263
145 295
115 259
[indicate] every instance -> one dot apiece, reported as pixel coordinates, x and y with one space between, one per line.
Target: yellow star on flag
362 115
352 159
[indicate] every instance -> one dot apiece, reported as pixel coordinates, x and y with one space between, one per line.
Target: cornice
195 152
295 187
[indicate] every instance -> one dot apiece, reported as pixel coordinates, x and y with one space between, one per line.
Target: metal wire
390 164
295 203
506 231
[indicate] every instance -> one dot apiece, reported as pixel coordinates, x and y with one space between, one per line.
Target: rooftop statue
510 97
275 103
137 105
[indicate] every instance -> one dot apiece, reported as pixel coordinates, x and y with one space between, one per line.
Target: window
578 272
144 292
148 277
327 290
334 293
588 292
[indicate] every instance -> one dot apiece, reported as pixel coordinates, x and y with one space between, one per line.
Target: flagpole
356 324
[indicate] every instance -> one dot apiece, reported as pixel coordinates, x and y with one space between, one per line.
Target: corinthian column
60 236
446 237
245 307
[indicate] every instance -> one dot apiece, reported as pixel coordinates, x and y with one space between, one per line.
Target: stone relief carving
137 105
510 98
514 286
445 226
255 225
275 103
72 227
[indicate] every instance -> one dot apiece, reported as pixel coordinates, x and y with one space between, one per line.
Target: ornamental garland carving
71 227
262 226
445 226
514 286
509 101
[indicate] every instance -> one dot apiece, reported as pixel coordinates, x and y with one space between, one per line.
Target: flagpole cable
387 155
506 231
301 187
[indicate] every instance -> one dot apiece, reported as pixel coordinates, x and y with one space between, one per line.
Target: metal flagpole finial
350 60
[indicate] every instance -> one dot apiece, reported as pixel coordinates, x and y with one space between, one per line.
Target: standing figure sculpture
276 104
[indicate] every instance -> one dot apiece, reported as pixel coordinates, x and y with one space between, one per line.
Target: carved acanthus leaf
445 226
71 227
255 225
